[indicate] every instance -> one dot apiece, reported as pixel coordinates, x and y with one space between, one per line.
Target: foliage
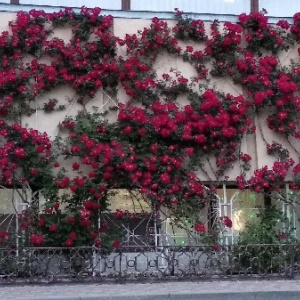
265 230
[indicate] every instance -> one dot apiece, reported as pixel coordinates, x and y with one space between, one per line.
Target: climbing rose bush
159 144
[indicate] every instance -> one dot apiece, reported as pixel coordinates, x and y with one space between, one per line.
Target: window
104 4
142 226
275 8
278 8
131 213
243 207
231 7
12 203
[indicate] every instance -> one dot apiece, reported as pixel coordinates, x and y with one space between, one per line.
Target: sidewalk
215 290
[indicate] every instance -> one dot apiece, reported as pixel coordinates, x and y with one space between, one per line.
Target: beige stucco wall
252 144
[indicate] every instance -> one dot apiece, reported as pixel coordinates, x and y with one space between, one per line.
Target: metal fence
148 264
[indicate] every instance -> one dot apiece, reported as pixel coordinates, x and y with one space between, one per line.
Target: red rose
64 182
282 236
200 227
73 188
42 222
189 151
3 236
216 247
72 235
40 148
127 130
165 178
85 213
76 166
20 153
34 172
98 243
85 223
53 228
69 243
36 239
227 222
70 220
116 244
88 204
56 206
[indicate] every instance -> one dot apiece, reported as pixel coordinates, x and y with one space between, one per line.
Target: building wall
252 144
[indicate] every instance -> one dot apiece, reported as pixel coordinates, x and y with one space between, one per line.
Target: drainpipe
254 5
125 4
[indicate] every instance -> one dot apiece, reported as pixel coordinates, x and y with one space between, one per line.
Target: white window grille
243 206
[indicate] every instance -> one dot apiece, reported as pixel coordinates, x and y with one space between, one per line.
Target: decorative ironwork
148 263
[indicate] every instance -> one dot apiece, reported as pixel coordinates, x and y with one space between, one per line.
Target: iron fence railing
148 263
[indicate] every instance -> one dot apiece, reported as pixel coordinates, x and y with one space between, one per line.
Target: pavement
179 290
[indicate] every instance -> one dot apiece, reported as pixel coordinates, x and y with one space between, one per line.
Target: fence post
292 262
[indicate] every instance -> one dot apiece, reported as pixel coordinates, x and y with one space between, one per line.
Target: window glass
104 4
179 233
10 205
127 200
286 201
231 7
118 199
63 205
137 224
141 226
279 8
241 206
246 205
10 201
